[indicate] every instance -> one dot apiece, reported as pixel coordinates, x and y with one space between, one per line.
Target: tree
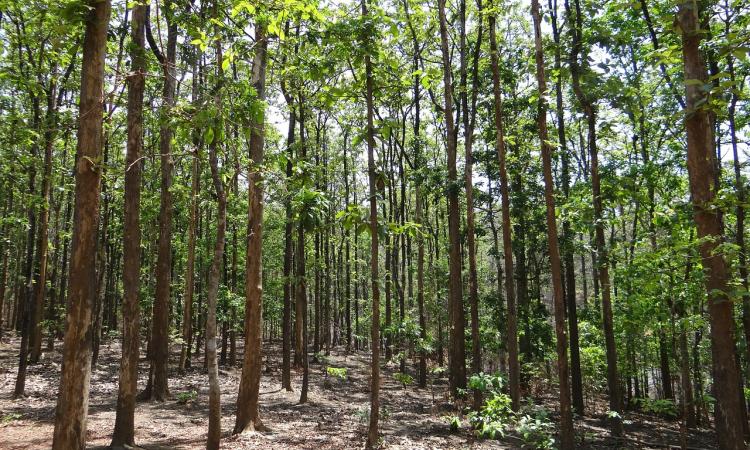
567 438
366 38
72 400
455 286
124 432
708 221
510 294
248 417
158 388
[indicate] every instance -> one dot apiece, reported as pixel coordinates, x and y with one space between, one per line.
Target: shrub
404 378
187 396
338 372
663 407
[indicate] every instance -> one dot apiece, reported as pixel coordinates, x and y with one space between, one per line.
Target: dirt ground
335 416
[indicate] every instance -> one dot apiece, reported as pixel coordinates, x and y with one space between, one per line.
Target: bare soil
335 417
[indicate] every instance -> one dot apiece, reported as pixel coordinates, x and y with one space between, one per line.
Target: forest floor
335 416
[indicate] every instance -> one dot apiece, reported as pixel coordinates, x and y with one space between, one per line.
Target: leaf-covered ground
335 416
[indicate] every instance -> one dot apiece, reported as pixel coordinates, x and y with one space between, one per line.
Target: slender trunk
567 234
367 38
457 363
187 301
248 414
510 295
702 171
214 392
159 389
567 438
124 432
589 109
286 377
73 397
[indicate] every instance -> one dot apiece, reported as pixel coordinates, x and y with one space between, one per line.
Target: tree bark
567 437
158 389
457 363
367 41
73 397
248 414
124 432
701 158
510 295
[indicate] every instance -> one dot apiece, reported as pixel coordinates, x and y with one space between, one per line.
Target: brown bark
248 414
187 300
457 363
366 37
510 294
158 389
701 162
469 120
73 397
567 234
124 432
567 438
286 378
602 264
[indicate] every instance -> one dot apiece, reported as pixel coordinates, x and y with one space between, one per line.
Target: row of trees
568 229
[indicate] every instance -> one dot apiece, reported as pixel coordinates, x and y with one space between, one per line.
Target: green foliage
10 417
337 372
187 396
536 432
660 407
404 378
454 423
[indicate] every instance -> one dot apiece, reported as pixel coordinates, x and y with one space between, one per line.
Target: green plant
10 417
338 372
487 383
404 378
661 407
536 432
495 417
187 396
454 422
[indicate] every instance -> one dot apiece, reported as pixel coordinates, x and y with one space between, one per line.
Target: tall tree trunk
457 363
302 312
214 392
42 245
567 438
286 377
73 397
367 38
510 295
124 432
24 296
567 234
158 389
187 301
589 109
469 120
248 414
701 157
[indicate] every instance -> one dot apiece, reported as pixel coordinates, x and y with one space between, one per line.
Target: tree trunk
602 264
159 389
73 397
702 171
567 437
567 235
367 41
248 414
124 432
513 364
214 392
457 363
